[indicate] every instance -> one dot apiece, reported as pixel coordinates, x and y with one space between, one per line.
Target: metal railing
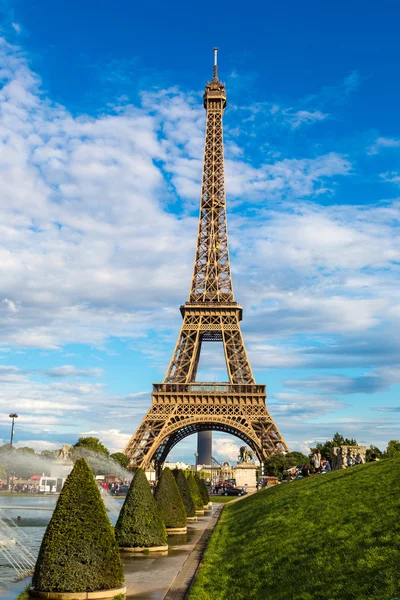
209 388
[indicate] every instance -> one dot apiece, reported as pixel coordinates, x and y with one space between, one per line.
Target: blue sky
101 129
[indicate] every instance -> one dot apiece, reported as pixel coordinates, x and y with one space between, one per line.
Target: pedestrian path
167 577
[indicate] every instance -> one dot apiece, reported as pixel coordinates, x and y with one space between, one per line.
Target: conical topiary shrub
195 493
202 489
79 552
170 503
139 524
183 487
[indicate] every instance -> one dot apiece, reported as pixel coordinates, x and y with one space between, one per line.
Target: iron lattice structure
180 405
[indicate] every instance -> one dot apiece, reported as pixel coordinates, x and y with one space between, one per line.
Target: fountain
14 548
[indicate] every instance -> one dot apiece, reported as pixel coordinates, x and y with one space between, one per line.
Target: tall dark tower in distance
204 447
181 406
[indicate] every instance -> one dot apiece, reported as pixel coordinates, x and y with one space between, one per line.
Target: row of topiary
80 549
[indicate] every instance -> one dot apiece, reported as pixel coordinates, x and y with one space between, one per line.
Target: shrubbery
183 487
169 501
139 523
195 492
79 552
202 489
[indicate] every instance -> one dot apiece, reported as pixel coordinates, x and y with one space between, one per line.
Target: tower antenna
215 64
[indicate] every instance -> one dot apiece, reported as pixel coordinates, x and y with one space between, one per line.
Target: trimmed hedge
195 492
203 489
183 487
79 552
139 523
169 501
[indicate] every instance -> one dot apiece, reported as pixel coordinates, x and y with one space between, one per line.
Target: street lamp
196 455
13 416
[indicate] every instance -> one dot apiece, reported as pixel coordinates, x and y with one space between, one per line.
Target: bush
195 492
169 501
139 523
183 487
202 489
79 552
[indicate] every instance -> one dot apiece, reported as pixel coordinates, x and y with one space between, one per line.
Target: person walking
316 461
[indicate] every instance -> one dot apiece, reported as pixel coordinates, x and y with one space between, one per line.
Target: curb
78 595
182 583
173 530
139 549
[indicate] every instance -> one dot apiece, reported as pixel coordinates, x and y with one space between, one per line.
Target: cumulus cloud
97 227
382 143
71 371
226 448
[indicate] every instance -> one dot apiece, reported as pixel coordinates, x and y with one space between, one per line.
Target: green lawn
329 537
222 499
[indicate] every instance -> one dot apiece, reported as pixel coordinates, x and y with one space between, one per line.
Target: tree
195 492
278 463
183 487
336 442
202 489
121 459
26 450
93 444
373 450
393 449
79 552
139 523
48 454
169 501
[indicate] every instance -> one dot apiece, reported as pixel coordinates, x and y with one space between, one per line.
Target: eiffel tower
180 405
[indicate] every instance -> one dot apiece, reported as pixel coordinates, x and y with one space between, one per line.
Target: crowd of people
22 488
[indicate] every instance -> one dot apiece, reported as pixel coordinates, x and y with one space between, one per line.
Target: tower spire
215 78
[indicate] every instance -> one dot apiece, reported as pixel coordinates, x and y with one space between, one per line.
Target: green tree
121 459
393 449
195 492
277 464
202 489
140 524
169 501
93 444
79 552
48 454
26 450
183 487
373 450
336 442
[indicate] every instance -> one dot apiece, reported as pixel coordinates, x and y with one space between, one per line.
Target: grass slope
328 537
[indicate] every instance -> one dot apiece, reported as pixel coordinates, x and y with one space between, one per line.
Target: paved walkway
167 577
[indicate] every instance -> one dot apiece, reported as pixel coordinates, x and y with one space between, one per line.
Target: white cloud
226 448
88 249
381 143
96 242
71 371
306 117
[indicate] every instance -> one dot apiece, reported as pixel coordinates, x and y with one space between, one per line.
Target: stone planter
192 518
139 549
199 512
173 530
96 595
